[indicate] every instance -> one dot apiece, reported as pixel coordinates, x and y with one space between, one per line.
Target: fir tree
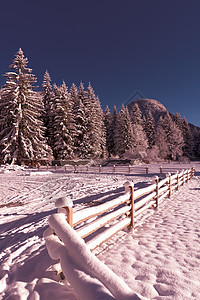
109 133
174 138
188 139
150 130
139 135
95 126
47 97
22 131
196 143
136 116
161 139
82 140
112 131
63 124
123 135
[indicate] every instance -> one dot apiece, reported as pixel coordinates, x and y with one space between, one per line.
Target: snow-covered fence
87 275
99 223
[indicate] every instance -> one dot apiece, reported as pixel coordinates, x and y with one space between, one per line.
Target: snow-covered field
160 259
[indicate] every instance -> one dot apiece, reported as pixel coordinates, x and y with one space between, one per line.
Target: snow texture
158 260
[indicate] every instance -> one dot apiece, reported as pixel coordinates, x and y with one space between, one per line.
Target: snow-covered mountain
155 107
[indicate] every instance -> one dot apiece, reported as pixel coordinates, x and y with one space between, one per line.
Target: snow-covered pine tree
95 126
81 140
150 129
136 115
139 135
47 96
161 139
178 121
196 141
123 134
109 133
174 138
22 130
63 124
188 139
112 130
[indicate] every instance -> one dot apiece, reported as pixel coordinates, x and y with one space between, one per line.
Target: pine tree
109 133
22 130
150 130
188 139
112 131
136 116
139 135
123 135
196 143
95 126
63 124
81 139
161 139
174 138
47 97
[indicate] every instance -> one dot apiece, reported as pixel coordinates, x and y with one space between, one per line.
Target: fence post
129 169
161 170
65 204
38 166
169 184
147 170
183 180
156 190
129 186
193 171
100 169
177 178
56 166
65 168
114 169
190 174
87 168
75 168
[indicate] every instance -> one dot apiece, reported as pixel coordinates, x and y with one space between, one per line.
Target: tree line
68 123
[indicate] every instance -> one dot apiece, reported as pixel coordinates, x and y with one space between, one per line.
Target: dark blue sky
151 46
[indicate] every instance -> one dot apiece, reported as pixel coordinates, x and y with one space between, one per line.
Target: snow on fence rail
98 223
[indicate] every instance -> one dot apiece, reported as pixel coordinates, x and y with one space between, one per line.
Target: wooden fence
91 223
113 169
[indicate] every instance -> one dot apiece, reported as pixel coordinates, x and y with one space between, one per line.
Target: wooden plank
162 182
141 192
100 222
163 196
107 234
144 200
173 177
173 181
163 189
141 210
90 212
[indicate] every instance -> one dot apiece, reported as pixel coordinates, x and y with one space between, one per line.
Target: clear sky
121 47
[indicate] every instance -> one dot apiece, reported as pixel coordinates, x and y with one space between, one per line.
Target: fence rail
92 222
113 169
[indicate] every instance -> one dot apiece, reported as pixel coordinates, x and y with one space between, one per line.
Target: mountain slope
155 107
